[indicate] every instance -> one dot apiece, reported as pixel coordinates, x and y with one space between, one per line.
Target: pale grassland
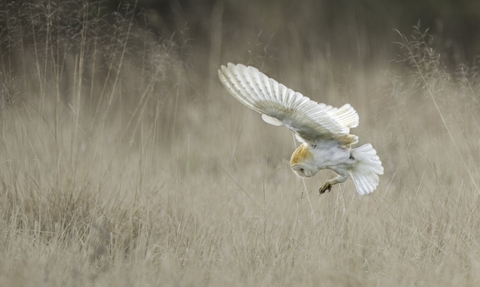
134 175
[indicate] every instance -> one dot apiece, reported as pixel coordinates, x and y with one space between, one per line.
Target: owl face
303 170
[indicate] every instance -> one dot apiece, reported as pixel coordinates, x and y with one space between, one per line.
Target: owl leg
342 176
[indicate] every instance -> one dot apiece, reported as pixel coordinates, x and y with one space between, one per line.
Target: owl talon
326 186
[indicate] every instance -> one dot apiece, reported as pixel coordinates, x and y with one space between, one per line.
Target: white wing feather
280 105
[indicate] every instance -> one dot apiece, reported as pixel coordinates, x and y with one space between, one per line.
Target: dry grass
131 176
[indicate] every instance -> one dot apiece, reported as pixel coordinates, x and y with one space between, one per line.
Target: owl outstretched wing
280 105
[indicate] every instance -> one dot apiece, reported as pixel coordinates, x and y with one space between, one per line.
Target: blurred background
349 33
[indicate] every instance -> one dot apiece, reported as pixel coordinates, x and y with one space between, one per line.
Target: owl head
302 161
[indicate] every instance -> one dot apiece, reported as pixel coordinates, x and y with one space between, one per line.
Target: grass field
118 167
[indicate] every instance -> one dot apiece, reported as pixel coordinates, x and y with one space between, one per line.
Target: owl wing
280 105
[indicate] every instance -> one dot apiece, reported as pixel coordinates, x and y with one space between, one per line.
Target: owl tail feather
366 169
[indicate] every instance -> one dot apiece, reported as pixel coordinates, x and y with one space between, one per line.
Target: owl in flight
322 129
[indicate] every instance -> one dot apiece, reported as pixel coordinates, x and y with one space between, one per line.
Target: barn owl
324 131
